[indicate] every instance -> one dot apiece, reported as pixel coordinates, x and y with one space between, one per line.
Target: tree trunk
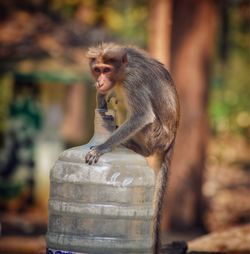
194 23
75 120
160 30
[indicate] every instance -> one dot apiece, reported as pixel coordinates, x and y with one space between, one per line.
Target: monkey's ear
125 58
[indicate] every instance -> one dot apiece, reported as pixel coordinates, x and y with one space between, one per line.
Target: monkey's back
142 63
149 76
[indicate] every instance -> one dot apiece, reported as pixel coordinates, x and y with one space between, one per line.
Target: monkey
152 106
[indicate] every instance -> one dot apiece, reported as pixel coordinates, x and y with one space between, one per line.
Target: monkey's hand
111 96
94 154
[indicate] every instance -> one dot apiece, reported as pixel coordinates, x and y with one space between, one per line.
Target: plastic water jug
102 208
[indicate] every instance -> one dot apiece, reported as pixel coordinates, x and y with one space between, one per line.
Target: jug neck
104 125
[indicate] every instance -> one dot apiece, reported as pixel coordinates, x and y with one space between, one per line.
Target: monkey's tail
162 180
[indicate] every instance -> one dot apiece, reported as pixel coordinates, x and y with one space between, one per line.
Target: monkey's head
107 63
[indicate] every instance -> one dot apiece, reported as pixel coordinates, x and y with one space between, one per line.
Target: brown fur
153 112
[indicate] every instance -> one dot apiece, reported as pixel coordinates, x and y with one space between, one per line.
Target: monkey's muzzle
99 84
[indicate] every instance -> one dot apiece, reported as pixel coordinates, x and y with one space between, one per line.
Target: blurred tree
76 125
224 21
5 98
229 104
194 25
126 20
160 30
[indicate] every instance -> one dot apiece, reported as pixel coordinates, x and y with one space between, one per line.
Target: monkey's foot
92 156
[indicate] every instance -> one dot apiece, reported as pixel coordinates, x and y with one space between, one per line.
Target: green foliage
65 7
230 95
5 97
128 20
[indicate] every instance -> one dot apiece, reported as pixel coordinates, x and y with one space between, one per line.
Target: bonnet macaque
153 110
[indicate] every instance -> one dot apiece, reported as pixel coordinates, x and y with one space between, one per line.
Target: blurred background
47 101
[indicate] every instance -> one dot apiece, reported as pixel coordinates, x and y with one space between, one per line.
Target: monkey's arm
128 129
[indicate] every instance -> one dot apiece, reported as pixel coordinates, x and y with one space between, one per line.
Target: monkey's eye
97 70
106 70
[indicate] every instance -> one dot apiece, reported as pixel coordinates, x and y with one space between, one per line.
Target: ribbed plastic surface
102 208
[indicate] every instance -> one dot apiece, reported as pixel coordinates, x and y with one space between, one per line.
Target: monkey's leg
134 146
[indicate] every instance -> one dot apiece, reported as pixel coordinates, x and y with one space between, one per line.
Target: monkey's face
104 76
107 66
